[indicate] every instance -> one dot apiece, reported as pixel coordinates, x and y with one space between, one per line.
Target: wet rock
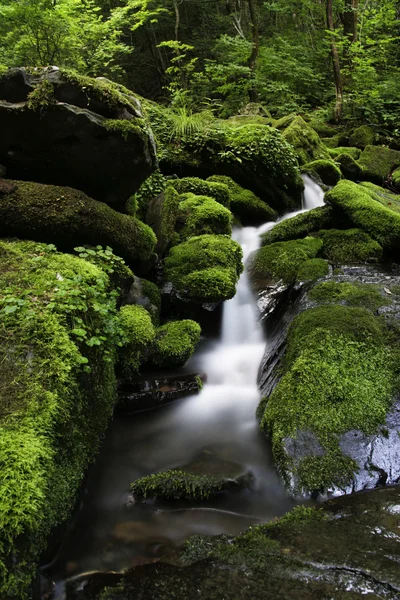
145 394
68 132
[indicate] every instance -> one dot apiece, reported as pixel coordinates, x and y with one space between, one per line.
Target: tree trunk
252 61
350 19
336 64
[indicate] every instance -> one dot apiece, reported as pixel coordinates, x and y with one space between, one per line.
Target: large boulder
61 128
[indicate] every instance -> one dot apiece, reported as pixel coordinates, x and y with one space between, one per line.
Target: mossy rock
206 268
349 246
212 188
58 330
138 336
69 218
378 162
355 153
330 142
349 167
362 136
245 205
337 376
396 179
199 215
382 195
357 203
312 269
300 226
161 216
175 342
327 171
281 261
138 203
176 485
144 293
351 294
305 141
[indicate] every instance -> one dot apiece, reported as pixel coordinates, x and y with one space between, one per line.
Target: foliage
175 484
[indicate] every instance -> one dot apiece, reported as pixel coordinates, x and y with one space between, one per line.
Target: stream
111 532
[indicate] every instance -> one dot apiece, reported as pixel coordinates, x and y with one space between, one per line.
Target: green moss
151 188
383 196
330 143
352 294
153 294
199 215
305 141
244 203
282 260
312 269
380 222
128 130
349 167
396 179
138 334
205 268
350 246
176 485
300 225
327 170
362 136
337 376
378 162
337 151
58 330
168 215
213 189
42 96
69 218
175 342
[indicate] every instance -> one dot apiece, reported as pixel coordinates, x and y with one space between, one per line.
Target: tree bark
336 63
350 19
252 61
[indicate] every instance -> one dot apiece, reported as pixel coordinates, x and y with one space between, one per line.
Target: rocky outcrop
61 128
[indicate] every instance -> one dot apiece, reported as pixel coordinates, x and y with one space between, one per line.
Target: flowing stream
111 533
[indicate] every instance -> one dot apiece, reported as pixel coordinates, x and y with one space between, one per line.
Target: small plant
42 96
175 484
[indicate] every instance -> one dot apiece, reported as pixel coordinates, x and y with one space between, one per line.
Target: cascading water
109 535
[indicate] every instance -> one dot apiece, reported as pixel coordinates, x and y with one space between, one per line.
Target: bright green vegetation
349 246
351 294
353 152
205 268
378 162
245 205
42 96
138 335
362 136
327 170
176 485
300 225
68 218
382 195
200 215
349 167
175 342
312 269
282 260
58 329
151 188
213 189
129 130
380 222
337 376
304 139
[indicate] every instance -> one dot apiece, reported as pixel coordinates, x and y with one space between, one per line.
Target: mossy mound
212 188
349 246
349 167
305 141
282 260
362 136
382 195
245 205
206 268
378 162
312 269
161 215
337 376
327 170
396 179
69 218
175 342
300 226
58 329
357 203
176 485
350 294
138 336
337 151
199 215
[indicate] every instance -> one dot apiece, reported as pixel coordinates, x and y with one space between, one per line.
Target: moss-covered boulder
62 128
161 215
357 203
378 162
174 343
144 293
327 171
312 269
396 179
245 205
69 218
300 226
213 188
58 330
303 138
362 136
349 167
206 268
382 195
349 246
138 336
199 215
353 152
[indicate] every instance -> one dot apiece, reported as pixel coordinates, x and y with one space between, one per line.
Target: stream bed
111 532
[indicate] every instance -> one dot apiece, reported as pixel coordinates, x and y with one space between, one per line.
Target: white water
220 419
